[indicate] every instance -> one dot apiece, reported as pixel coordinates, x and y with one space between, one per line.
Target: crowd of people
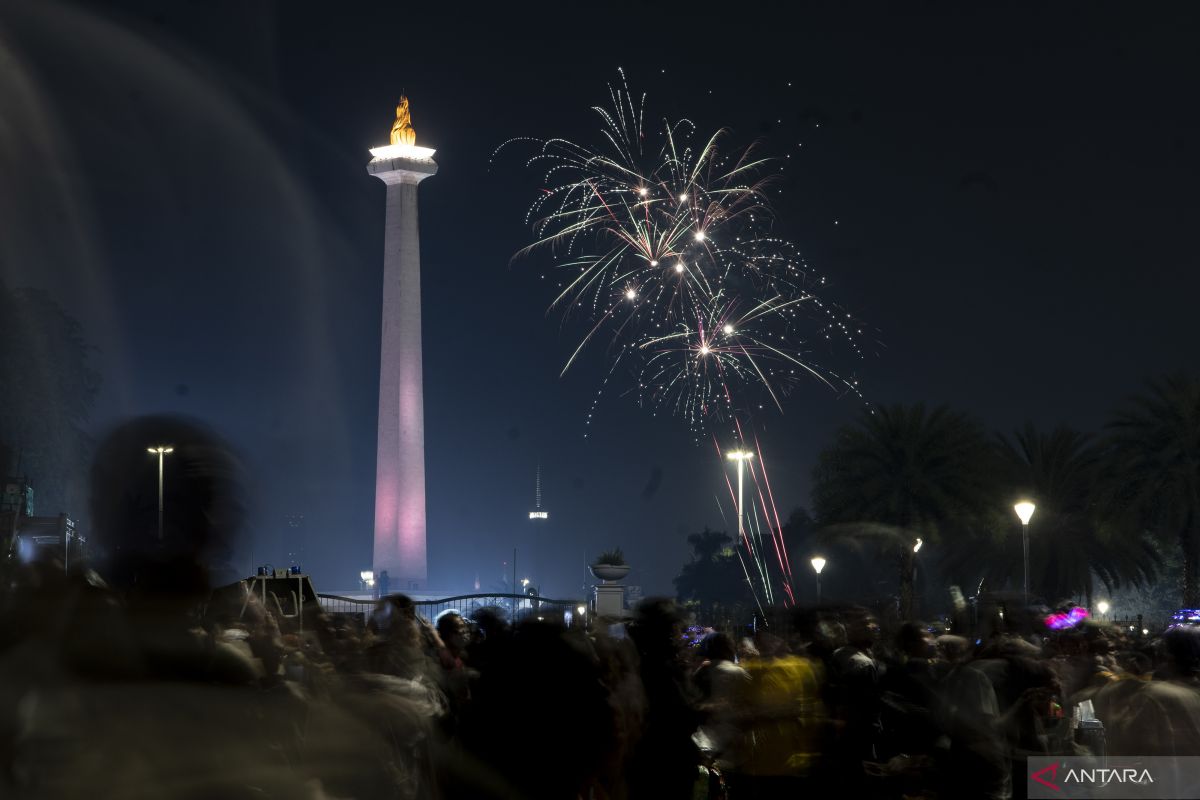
134 678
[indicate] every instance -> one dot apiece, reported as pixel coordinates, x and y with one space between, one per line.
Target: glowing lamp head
524 581
581 610
1024 511
408 151
917 545
1102 606
160 450
739 455
818 564
367 577
728 330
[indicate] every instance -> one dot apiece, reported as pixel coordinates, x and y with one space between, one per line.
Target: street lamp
913 602
741 457
160 451
818 564
1102 607
1025 511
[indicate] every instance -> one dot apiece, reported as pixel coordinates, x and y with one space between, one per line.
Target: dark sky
1007 198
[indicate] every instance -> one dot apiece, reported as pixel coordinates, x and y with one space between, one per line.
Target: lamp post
161 451
1025 511
741 457
818 564
1102 607
916 548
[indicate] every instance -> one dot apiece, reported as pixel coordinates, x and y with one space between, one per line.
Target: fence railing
512 606
337 604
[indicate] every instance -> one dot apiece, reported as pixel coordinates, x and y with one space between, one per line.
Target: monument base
610 600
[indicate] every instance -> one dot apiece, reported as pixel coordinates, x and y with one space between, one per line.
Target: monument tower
400 461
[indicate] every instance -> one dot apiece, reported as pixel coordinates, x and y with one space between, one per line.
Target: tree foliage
903 473
1153 445
1073 541
1112 511
713 578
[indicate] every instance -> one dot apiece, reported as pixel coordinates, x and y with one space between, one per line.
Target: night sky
1006 198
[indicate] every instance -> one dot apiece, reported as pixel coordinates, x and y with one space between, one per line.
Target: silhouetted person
665 760
540 723
135 697
783 719
383 585
1162 717
909 690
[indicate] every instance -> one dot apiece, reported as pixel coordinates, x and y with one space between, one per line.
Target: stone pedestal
610 600
400 464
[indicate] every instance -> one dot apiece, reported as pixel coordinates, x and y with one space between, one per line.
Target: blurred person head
914 641
862 630
454 632
395 618
405 645
954 648
1135 663
490 622
747 649
770 645
203 501
717 647
1179 654
657 633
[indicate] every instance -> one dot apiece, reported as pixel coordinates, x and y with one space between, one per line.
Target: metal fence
337 604
514 607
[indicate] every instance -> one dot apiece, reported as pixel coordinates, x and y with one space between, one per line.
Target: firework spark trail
785 565
752 532
756 526
776 534
669 248
741 560
766 503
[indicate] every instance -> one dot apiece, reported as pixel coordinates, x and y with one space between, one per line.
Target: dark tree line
1106 502
1112 506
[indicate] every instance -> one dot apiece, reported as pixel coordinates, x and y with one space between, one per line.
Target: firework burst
667 251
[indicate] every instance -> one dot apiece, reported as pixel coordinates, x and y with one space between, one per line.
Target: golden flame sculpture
402 129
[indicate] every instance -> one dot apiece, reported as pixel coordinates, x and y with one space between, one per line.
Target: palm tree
902 473
1154 454
1073 539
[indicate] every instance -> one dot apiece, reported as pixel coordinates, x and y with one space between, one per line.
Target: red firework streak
770 509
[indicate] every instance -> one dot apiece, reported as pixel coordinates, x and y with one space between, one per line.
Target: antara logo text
1047 776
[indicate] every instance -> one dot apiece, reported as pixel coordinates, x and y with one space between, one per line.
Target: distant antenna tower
538 512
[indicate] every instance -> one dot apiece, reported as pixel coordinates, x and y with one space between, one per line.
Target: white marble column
400 464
